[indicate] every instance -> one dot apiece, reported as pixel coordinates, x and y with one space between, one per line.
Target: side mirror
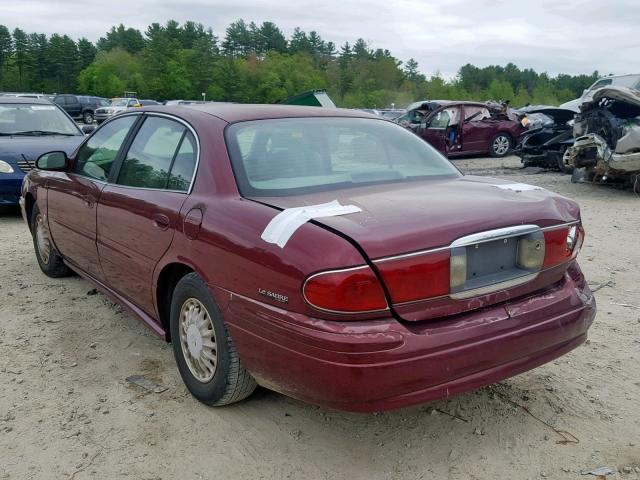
55 161
87 129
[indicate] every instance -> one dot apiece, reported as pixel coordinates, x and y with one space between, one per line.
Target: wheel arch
29 202
167 280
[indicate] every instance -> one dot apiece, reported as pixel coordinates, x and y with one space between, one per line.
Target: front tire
205 354
563 167
500 145
49 259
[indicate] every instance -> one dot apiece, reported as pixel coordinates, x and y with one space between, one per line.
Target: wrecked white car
607 137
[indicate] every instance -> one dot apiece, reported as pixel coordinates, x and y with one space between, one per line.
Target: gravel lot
66 410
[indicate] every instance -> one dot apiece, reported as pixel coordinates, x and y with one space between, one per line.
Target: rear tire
500 146
87 118
205 354
49 259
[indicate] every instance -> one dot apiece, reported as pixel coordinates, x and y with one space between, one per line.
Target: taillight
416 277
562 244
352 290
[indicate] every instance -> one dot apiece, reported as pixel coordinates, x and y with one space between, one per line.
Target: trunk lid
403 218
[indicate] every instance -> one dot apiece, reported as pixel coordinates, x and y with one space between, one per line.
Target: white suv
629 81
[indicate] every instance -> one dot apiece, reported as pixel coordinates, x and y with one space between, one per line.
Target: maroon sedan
464 128
327 254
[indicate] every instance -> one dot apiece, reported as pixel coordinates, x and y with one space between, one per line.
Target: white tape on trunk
518 187
283 225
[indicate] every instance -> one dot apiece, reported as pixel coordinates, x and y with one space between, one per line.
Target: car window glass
96 157
25 117
440 120
132 103
149 159
301 155
60 100
476 113
601 83
183 165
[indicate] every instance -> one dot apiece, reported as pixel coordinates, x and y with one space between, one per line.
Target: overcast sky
557 36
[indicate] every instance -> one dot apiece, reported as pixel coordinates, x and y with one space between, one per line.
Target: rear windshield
295 156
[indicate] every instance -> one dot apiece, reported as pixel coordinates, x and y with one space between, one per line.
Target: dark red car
327 254
464 128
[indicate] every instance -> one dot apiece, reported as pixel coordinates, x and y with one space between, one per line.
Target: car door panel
139 212
135 228
439 125
73 196
71 209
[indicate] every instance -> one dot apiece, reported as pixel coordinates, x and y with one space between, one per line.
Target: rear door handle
160 221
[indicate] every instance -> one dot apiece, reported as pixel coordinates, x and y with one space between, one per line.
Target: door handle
88 200
160 221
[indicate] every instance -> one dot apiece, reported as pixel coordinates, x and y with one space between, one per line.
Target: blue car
30 127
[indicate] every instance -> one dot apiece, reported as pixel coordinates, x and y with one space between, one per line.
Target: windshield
119 102
300 155
35 118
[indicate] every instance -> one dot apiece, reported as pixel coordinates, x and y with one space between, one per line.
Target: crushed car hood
622 94
559 115
418 215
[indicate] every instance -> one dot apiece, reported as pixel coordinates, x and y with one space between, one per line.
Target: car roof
237 112
38 101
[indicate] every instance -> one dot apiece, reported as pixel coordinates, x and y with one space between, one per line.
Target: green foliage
254 63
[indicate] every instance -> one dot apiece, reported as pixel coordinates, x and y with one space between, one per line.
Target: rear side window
183 165
161 156
301 155
96 157
473 113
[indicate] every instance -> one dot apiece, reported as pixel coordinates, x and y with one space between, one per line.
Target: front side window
300 155
149 161
443 119
96 157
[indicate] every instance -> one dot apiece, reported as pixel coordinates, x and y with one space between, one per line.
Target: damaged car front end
550 135
607 138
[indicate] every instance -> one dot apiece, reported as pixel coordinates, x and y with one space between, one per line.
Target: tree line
254 63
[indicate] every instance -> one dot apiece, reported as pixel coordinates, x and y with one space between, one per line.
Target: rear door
477 129
73 195
73 106
139 212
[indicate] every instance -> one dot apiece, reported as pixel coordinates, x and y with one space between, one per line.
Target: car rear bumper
10 185
385 364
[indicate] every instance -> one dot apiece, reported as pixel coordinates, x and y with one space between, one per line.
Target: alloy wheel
198 340
501 145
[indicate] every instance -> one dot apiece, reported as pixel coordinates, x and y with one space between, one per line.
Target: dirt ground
66 410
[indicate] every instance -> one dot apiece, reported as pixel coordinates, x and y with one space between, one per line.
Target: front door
72 196
139 212
441 130
477 129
